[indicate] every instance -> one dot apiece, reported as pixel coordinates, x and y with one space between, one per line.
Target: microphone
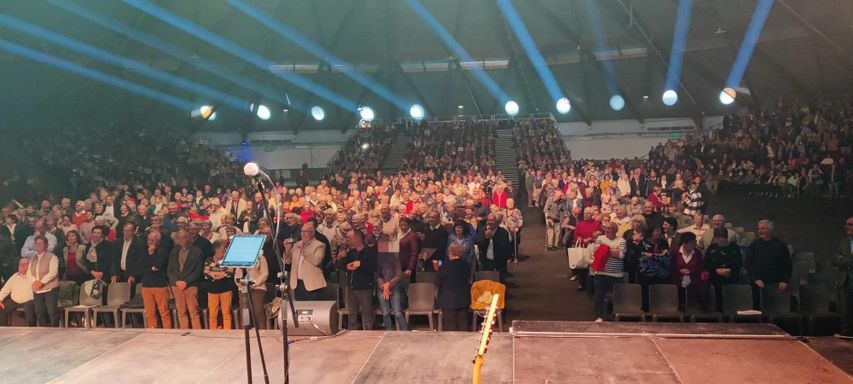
252 169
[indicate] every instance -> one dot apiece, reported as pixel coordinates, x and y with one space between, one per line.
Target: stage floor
536 352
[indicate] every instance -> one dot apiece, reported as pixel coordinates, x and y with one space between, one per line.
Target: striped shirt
614 266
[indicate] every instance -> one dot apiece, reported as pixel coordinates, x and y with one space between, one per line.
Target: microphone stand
283 286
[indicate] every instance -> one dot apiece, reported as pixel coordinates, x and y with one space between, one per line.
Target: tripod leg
253 322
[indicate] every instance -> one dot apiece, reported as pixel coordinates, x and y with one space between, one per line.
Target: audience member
44 269
185 272
360 263
768 261
844 261
151 271
454 290
16 293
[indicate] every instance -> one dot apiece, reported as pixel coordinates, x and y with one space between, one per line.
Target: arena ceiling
806 50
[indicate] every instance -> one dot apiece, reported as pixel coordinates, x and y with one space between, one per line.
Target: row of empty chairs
776 306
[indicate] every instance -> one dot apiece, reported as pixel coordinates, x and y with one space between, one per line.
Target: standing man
844 261
185 271
306 259
128 251
555 209
495 247
768 262
44 269
361 264
409 250
434 239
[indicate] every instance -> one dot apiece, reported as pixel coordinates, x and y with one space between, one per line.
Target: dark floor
539 288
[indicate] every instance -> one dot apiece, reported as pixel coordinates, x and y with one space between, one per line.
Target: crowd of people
370 233
454 146
447 210
50 163
790 151
366 149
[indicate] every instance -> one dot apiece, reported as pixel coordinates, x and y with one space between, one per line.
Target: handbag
599 260
579 257
97 289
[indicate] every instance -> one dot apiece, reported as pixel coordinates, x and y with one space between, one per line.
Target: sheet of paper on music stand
243 251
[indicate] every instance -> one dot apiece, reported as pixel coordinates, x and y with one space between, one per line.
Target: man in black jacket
495 247
768 262
361 264
126 254
151 273
723 261
454 290
434 237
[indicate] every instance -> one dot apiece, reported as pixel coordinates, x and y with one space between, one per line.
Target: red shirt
585 228
71 268
499 199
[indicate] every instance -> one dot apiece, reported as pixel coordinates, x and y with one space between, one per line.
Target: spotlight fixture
263 112
727 96
366 114
617 103
564 106
204 113
669 97
511 108
318 113
417 112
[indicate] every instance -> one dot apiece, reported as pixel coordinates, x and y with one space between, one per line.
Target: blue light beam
750 39
322 54
119 61
240 52
173 51
598 33
533 52
444 35
44 58
679 44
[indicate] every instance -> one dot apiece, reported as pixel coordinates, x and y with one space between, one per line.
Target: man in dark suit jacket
454 290
495 247
434 237
98 255
186 265
126 254
844 261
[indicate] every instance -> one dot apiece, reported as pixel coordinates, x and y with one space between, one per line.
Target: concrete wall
602 148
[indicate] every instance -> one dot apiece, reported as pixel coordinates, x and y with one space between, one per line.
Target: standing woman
151 273
688 271
72 264
462 236
513 221
220 287
44 268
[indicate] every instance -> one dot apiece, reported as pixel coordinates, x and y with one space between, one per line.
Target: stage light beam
750 39
456 48
679 43
77 69
237 50
533 53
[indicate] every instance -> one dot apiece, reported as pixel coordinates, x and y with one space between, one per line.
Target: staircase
505 159
392 161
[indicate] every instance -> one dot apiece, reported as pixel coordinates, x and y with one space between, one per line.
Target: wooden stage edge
534 352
